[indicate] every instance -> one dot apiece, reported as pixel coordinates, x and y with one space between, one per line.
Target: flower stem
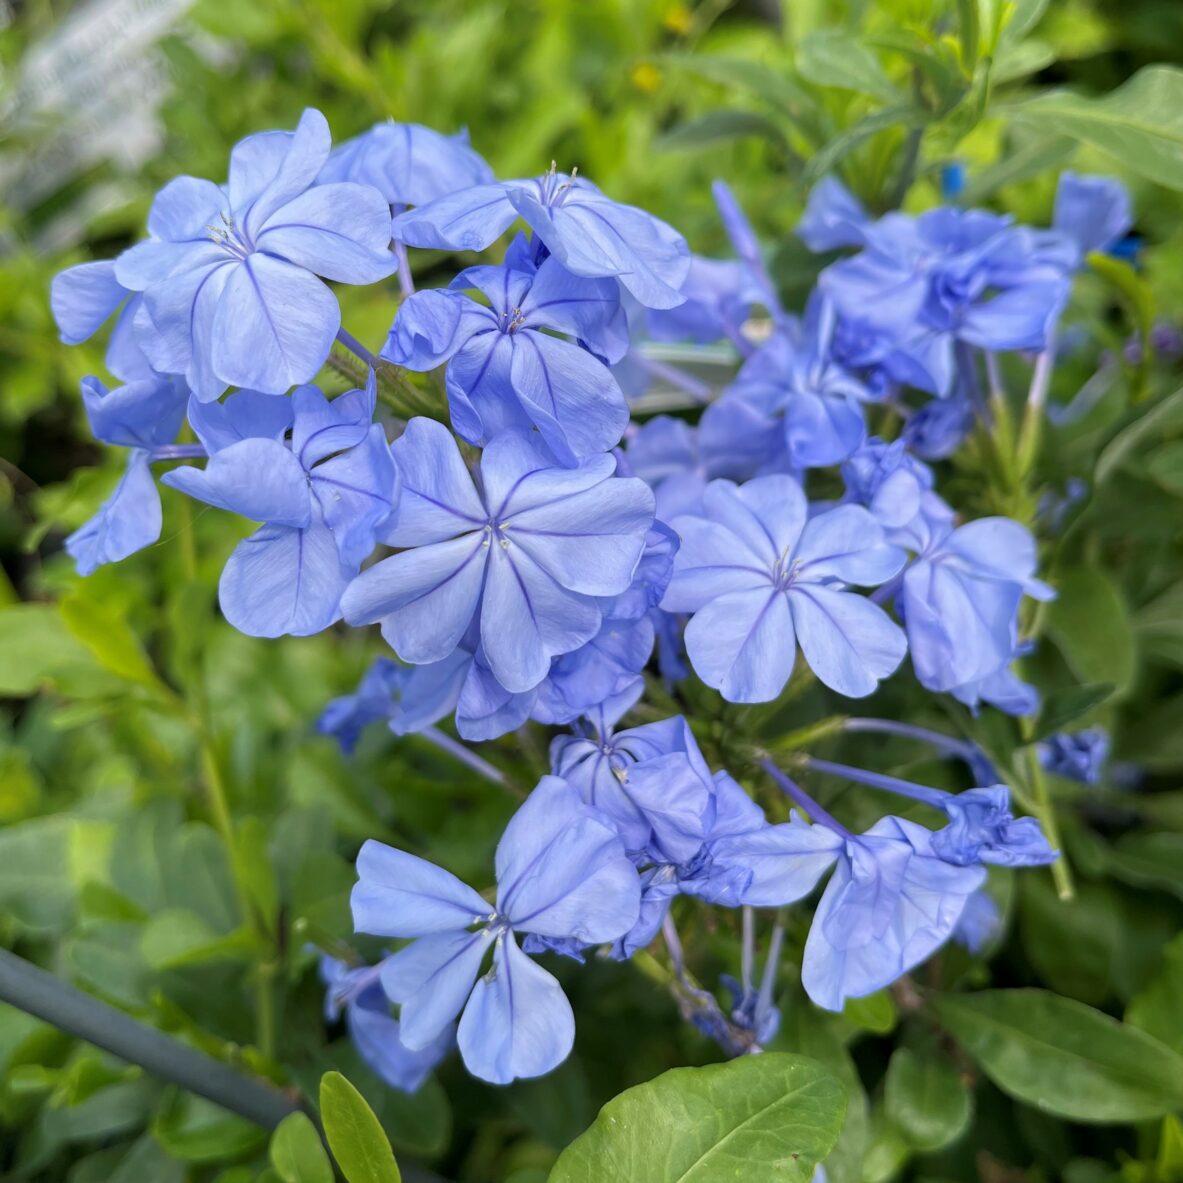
467 757
802 799
877 780
357 349
1045 810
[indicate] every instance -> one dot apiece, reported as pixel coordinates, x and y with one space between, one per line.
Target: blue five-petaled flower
760 579
562 874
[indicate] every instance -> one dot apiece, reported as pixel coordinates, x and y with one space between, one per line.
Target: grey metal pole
34 990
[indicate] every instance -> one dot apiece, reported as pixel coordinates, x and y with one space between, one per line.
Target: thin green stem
1045 810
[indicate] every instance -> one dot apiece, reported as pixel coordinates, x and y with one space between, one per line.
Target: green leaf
1062 707
840 147
1036 156
1146 427
1064 1057
37 648
926 1099
1024 16
1091 626
1155 1009
108 636
1164 466
1140 123
1159 626
767 1116
1070 943
1149 859
255 868
778 89
832 58
720 127
355 1134
195 1130
176 938
296 1152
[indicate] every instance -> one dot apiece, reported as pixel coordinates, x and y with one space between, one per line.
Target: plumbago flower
795 377
143 416
357 991
232 275
526 553
407 163
322 495
960 597
891 902
562 874
759 580
504 371
590 234
1077 755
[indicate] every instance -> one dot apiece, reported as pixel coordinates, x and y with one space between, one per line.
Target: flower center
229 237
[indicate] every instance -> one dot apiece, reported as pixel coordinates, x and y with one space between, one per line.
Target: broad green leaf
830 57
1159 626
1070 943
255 869
1156 1009
887 1149
1062 707
108 636
1165 467
1038 155
355 1135
37 647
1024 16
1149 859
766 1116
777 88
195 1130
841 146
35 882
1147 427
873 1012
925 1098
720 127
1064 1057
296 1152
177 938
1090 625
1140 124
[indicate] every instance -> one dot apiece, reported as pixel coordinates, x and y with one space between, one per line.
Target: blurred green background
104 858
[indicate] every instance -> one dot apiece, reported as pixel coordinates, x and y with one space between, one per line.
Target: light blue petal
400 895
527 617
257 478
439 500
274 326
847 544
425 331
848 641
787 861
562 869
304 157
432 979
321 426
84 298
245 414
187 209
284 581
466 221
340 231
742 644
357 491
139 414
378 1039
425 598
570 396
128 520
518 1022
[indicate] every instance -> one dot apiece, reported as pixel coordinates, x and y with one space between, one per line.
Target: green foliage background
172 834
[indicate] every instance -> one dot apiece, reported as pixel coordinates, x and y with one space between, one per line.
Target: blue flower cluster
527 558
